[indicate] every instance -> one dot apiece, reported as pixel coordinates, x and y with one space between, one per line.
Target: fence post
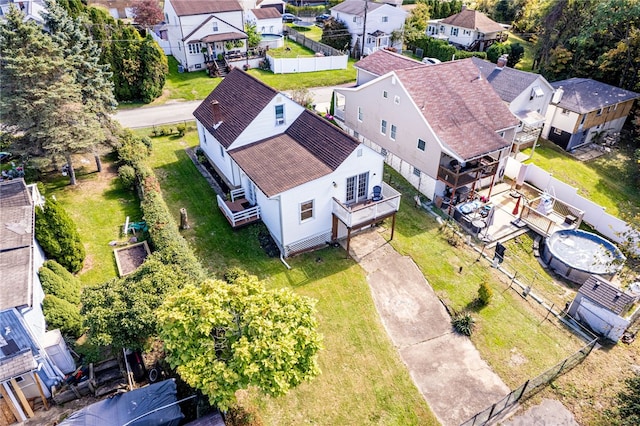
523 389
493 407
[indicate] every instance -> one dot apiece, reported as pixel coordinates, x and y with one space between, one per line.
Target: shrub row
441 49
62 297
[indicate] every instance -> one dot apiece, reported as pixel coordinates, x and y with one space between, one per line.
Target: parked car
289 17
431 61
323 17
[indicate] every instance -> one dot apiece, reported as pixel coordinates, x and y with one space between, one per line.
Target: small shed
604 307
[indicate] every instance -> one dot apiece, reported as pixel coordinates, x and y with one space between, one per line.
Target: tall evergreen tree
40 101
82 59
154 68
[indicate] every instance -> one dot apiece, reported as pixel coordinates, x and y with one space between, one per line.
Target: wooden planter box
129 258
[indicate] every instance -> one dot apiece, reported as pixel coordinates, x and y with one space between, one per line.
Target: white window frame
383 127
194 48
599 113
417 172
565 111
393 132
454 31
279 120
384 19
396 100
424 145
385 94
221 151
360 114
305 209
214 26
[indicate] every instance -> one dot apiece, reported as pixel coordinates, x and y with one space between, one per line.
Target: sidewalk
445 366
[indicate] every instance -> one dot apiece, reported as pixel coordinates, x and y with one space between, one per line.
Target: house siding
396 20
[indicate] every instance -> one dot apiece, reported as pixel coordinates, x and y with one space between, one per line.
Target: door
357 188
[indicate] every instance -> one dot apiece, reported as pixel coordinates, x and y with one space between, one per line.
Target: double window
194 48
306 210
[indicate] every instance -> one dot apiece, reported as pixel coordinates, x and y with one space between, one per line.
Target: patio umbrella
516 209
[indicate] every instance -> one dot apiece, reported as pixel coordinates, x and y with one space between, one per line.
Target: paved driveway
447 369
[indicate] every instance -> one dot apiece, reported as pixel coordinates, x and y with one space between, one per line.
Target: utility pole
364 27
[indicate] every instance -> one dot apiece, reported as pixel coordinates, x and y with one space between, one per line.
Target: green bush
59 313
62 272
58 236
133 150
182 129
484 294
55 285
463 323
127 175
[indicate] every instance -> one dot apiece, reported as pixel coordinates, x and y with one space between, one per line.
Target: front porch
238 210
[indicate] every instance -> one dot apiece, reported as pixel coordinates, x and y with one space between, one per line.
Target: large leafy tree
147 12
336 34
41 102
226 336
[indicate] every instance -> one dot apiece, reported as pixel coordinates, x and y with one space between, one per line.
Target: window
198 66
441 28
271 29
221 151
215 27
454 32
360 114
357 188
385 94
279 115
599 112
385 19
536 92
306 210
396 100
557 131
466 32
356 135
584 117
422 145
261 29
194 48
394 129
383 127
417 172
565 111
359 152
501 134
355 19
383 151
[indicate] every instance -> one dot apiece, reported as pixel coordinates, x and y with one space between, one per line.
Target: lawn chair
377 193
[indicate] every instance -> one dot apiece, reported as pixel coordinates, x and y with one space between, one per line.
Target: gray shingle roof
16 240
309 149
384 61
606 294
509 83
201 7
463 110
356 7
266 13
240 98
583 95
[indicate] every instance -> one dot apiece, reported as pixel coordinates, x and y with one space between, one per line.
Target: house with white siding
372 25
468 30
309 182
584 110
442 126
199 31
268 20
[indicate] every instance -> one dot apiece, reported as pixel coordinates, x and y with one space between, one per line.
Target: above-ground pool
576 254
272 41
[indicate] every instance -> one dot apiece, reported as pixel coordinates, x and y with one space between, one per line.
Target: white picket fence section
594 214
307 64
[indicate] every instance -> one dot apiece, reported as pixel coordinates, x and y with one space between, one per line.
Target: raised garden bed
129 258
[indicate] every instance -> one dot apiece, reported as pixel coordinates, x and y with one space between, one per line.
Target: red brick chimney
215 112
502 61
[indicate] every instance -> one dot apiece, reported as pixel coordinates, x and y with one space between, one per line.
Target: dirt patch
131 257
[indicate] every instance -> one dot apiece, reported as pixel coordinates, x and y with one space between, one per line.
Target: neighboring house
469 30
583 110
307 180
268 20
118 9
526 94
603 307
374 28
26 347
380 63
279 5
441 126
32 9
199 31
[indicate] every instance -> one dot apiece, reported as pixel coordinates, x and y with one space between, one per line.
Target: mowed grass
363 380
526 62
314 32
608 180
99 206
290 49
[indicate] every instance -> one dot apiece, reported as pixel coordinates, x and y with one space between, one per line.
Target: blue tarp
125 407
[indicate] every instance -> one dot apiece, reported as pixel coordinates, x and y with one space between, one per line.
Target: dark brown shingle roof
240 98
606 294
473 20
309 149
201 7
463 109
384 61
266 13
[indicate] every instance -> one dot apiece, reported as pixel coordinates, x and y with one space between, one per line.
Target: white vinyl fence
594 214
307 64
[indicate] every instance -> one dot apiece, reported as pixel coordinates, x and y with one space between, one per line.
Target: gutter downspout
281 231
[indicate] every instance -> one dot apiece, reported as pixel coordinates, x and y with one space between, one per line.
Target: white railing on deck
371 210
237 193
38 199
236 218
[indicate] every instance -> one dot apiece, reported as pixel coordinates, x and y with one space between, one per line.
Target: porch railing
369 210
240 217
237 193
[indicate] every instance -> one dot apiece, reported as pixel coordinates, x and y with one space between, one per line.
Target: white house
604 308
307 180
279 5
468 30
199 31
526 94
441 126
32 9
372 25
583 110
268 20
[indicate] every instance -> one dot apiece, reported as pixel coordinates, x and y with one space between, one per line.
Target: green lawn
526 63
363 380
607 180
314 32
290 50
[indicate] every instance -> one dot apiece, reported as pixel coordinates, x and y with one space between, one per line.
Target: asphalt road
177 112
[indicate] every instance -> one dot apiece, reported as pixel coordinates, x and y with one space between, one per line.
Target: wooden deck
239 212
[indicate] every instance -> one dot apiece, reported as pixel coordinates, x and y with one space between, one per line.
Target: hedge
59 313
55 285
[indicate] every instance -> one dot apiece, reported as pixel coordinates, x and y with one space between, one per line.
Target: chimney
215 112
557 95
502 62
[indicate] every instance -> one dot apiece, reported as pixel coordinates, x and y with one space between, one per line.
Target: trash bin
180 68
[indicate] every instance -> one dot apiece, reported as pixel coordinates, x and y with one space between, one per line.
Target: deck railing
238 218
369 210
